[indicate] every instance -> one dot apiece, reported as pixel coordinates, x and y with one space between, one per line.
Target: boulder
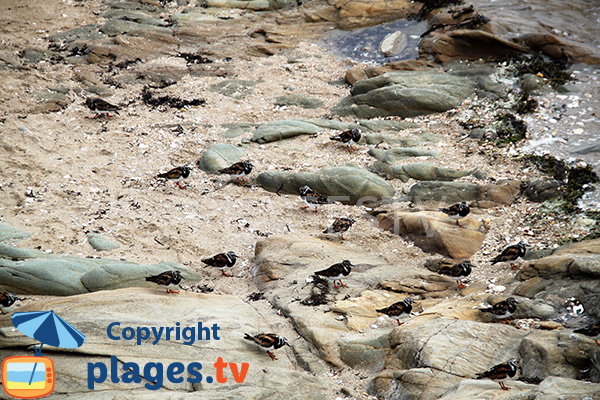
393 43
10 233
219 156
278 130
153 308
405 94
542 190
36 272
299 100
396 154
101 243
419 171
435 232
347 184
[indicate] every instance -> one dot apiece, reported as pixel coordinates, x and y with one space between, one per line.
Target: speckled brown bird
176 175
340 225
456 271
312 199
398 310
348 138
502 310
457 211
167 279
7 300
222 261
336 272
268 342
592 331
501 372
238 170
511 253
100 106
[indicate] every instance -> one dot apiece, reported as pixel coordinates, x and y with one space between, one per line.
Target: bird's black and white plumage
574 306
592 331
238 170
511 253
503 309
501 372
100 106
268 342
457 211
348 138
456 270
176 174
222 261
340 225
8 299
336 272
398 310
312 199
167 279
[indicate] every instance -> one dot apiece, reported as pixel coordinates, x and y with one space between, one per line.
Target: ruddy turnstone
456 271
574 306
166 279
268 342
100 106
7 300
222 261
348 138
238 170
340 225
312 199
398 310
501 372
592 331
457 211
176 174
512 253
503 309
336 272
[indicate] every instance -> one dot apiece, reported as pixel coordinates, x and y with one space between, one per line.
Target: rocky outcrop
278 130
36 272
405 94
347 184
152 308
435 232
419 171
503 192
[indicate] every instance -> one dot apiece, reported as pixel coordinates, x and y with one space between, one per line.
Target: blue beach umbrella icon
48 328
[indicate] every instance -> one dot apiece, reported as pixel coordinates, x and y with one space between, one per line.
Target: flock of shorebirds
336 272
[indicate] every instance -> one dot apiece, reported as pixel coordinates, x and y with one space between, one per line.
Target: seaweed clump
168 101
575 180
430 5
524 104
510 129
553 69
318 292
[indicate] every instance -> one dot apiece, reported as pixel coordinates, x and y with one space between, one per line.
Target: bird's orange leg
503 386
225 274
172 291
272 356
342 284
514 266
335 285
458 223
108 115
180 187
460 284
399 323
597 342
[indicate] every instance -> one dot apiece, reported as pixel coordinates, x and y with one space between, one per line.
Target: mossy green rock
299 101
405 94
278 130
36 272
101 243
346 184
8 232
396 154
419 171
219 156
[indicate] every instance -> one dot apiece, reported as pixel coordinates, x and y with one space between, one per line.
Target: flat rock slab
219 156
140 307
10 233
435 232
405 94
278 130
347 184
35 272
419 171
486 196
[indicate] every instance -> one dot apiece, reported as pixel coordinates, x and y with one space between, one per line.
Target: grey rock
235 88
405 94
363 353
236 129
377 125
534 84
36 272
594 148
35 56
420 172
255 5
396 154
116 27
346 184
219 156
10 233
299 100
543 189
393 43
449 192
568 88
153 308
101 243
86 32
278 130
134 16
477 133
